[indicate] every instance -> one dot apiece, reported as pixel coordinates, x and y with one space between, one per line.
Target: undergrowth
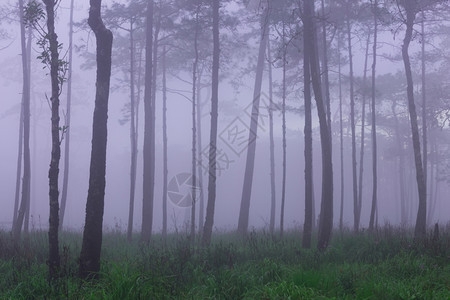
387 264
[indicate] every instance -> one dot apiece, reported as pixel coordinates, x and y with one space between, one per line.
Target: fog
235 99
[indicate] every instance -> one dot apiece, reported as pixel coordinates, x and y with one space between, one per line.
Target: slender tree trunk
363 127
201 214
133 142
165 168
53 261
341 137
67 121
374 128
272 145
24 203
283 108
326 209
19 167
27 213
207 228
307 227
148 191
251 149
424 108
194 128
420 228
325 67
352 121
92 235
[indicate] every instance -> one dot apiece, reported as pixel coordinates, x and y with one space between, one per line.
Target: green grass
385 265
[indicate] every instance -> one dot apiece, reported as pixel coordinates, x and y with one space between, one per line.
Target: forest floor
385 265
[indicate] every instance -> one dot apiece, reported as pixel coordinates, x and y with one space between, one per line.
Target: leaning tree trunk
352 121
420 228
24 203
307 227
374 128
209 220
92 235
53 260
251 148
326 209
147 201
363 127
272 145
67 125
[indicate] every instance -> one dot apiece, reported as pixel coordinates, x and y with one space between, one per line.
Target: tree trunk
251 149
92 235
19 166
325 66
326 209
24 203
133 140
148 190
374 128
271 146
363 127
201 214
165 168
420 228
352 121
424 108
27 213
283 108
207 228
307 227
67 121
341 138
194 127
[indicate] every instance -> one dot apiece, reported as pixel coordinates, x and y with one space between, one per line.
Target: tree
251 146
67 123
326 209
374 128
25 116
148 192
207 228
411 9
272 145
92 234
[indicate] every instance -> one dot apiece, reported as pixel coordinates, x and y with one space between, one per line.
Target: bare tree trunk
374 128
325 66
24 203
67 121
283 183
194 128
326 209
207 228
19 166
201 214
148 191
363 127
424 108
165 168
92 235
420 228
341 137
307 227
272 146
251 149
352 121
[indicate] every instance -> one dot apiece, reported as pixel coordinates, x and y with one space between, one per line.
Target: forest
225 149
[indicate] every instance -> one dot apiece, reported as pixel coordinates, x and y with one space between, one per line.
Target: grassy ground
386 265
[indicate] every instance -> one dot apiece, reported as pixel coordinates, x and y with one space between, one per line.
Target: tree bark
424 108
92 235
148 190
67 121
251 148
283 110
420 228
207 228
341 137
165 168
